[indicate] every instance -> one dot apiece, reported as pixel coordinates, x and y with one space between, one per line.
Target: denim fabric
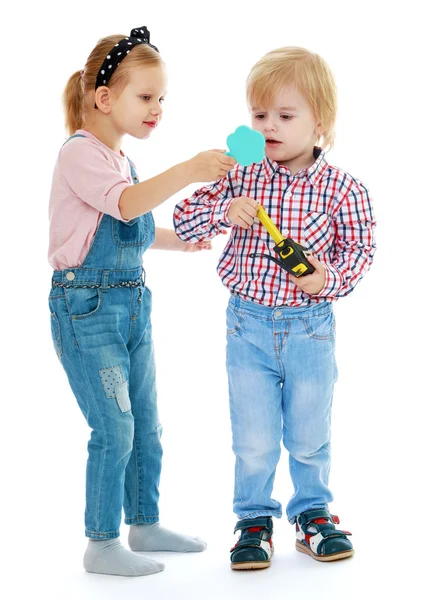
101 329
281 372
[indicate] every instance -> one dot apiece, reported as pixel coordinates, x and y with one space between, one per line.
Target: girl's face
138 108
289 126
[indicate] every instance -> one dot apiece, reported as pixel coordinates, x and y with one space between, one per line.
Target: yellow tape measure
292 256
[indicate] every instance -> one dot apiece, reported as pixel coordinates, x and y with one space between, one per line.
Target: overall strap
132 169
133 173
73 136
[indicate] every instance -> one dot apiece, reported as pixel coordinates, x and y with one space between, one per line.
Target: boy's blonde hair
308 73
81 83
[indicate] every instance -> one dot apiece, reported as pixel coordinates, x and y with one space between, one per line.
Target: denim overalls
101 328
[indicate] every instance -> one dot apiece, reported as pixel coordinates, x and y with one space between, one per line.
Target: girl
100 226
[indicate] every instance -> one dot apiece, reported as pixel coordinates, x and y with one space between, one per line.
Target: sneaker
318 537
254 548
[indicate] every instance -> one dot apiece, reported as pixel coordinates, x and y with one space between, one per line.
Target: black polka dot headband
138 36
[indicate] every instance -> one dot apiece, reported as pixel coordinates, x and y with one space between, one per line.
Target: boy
280 326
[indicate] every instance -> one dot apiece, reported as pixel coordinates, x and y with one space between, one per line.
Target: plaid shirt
322 207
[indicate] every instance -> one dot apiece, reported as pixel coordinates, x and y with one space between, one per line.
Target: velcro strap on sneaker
265 522
249 542
310 515
327 535
332 533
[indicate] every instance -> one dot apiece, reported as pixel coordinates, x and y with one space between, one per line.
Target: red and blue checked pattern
323 208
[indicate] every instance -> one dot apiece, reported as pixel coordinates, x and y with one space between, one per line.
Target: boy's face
138 108
289 126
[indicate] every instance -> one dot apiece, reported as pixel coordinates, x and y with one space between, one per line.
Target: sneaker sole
331 557
247 566
258 564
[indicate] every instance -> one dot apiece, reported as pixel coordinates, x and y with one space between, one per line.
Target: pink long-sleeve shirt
88 181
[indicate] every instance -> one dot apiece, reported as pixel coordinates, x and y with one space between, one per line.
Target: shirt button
288 195
70 276
278 313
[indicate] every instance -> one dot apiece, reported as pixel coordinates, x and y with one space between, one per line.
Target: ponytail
73 100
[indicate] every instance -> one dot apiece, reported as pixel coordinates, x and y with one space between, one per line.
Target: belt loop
143 276
104 282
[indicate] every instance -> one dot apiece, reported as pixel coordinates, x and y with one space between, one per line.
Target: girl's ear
102 99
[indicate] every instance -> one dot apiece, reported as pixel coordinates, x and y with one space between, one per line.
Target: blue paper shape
246 145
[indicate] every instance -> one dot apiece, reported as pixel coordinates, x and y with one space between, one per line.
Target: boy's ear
319 129
103 99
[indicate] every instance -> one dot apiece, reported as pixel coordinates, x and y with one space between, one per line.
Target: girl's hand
188 247
242 211
166 239
314 283
210 165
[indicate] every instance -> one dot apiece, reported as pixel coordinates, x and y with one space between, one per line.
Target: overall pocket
131 233
83 302
56 334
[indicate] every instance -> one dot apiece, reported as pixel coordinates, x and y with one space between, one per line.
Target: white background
209 48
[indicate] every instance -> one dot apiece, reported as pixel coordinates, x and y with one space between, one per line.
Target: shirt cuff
219 214
112 200
333 282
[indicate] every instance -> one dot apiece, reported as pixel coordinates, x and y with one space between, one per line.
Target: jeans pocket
56 334
83 302
321 327
233 321
122 396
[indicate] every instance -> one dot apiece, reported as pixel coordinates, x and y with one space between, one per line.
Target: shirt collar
314 173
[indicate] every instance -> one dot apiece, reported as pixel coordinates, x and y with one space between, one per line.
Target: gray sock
111 558
154 538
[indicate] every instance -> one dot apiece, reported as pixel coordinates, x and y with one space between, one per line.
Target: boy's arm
205 214
354 243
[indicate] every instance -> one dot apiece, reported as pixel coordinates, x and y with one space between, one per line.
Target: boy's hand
189 247
314 283
210 165
243 211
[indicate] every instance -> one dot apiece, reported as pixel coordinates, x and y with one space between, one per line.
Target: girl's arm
139 199
166 239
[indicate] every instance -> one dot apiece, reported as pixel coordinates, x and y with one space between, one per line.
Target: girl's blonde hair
83 82
308 73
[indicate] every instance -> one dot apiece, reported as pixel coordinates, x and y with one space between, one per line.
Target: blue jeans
103 339
281 372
